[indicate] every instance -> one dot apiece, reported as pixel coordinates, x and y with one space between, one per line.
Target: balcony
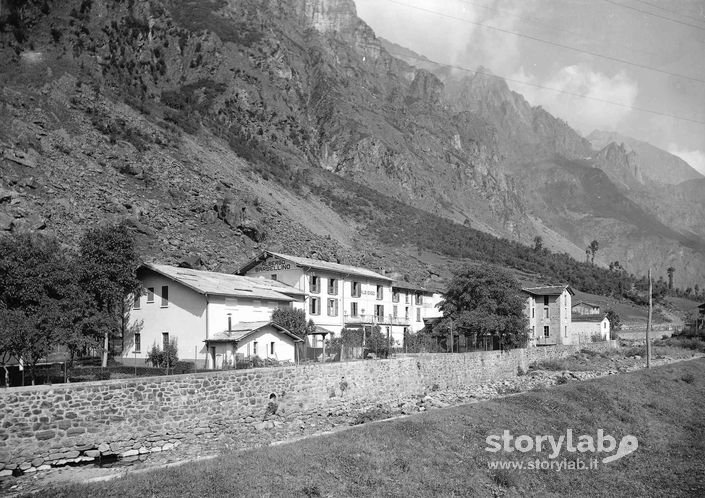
375 320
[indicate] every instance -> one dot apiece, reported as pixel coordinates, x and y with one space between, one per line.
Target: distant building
214 317
589 328
549 312
338 296
584 308
700 320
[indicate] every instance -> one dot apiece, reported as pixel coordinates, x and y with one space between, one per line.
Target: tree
35 282
538 244
670 272
107 268
592 250
615 323
294 320
486 300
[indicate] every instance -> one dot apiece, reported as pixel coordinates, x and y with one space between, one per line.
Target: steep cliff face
621 166
303 92
655 164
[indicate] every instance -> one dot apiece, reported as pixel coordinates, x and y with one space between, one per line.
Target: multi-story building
338 296
549 312
214 317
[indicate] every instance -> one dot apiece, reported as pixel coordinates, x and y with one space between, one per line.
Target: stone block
130 453
37 462
104 448
44 435
5 474
43 467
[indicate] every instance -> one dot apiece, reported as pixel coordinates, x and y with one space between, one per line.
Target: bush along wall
50 426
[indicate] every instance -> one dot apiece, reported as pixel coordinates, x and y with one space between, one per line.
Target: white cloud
585 114
696 158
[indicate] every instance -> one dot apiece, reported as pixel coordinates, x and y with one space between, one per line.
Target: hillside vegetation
222 128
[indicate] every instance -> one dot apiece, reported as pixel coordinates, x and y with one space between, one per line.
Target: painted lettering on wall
369 293
274 264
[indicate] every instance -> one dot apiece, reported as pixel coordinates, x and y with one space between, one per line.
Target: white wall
183 318
240 310
582 332
283 345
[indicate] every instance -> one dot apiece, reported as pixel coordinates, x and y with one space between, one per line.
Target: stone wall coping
268 371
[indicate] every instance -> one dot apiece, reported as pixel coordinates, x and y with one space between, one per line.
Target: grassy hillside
443 453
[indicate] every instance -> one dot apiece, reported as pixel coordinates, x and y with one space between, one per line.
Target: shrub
164 359
552 365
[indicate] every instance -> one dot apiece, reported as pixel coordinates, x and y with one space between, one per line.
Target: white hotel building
338 296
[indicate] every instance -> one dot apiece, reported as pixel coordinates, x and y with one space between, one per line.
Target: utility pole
451 336
648 325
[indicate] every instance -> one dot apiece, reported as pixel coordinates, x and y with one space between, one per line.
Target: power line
558 90
537 21
547 42
655 15
656 6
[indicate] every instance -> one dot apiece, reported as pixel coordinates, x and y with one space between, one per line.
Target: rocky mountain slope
223 127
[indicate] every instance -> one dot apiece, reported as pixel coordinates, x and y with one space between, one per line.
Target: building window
546 331
545 300
380 292
165 296
254 348
272 348
137 304
419 299
532 312
406 313
356 289
332 286
230 322
418 314
533 331
353 309
313 283
395 311
395 296
545 313
150 294
565 331
138 342
165 340
315 306
406 298
332 307
273 276
379 311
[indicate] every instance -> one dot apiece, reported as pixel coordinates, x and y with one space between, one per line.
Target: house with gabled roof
585 308
213 317
548 309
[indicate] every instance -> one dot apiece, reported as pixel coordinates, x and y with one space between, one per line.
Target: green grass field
443 452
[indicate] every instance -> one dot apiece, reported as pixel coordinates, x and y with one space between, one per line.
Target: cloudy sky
659 46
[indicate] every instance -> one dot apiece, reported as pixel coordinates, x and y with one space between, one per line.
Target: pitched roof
275 285
585 303
577 317
551 290
219 284
316 264
398 284
242 330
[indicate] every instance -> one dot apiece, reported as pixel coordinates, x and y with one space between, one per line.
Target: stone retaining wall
47 426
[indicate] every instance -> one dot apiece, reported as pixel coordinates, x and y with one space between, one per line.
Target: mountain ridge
289 87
